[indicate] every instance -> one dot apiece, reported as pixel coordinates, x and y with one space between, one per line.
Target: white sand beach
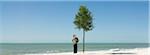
136 51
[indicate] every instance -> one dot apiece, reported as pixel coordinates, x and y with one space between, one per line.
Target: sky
52 22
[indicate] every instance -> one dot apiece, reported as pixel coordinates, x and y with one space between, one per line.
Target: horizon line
67 42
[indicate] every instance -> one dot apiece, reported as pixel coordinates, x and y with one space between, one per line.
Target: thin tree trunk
83 41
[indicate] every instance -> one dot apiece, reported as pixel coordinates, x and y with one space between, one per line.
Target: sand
136 51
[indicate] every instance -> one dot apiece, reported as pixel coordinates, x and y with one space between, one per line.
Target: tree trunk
83 41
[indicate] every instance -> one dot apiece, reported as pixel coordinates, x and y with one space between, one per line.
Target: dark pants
75 47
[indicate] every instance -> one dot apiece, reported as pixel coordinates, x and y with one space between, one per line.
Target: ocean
27 48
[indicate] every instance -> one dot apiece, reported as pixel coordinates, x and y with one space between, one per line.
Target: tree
83 20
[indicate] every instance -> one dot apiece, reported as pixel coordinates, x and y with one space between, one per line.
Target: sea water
35 48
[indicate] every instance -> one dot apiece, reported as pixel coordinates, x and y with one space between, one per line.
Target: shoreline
117 51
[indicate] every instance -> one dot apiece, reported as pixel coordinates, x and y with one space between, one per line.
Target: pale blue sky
52 22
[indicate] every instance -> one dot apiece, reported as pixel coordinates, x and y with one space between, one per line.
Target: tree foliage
83 19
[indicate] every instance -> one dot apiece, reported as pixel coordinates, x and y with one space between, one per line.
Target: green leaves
83 19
